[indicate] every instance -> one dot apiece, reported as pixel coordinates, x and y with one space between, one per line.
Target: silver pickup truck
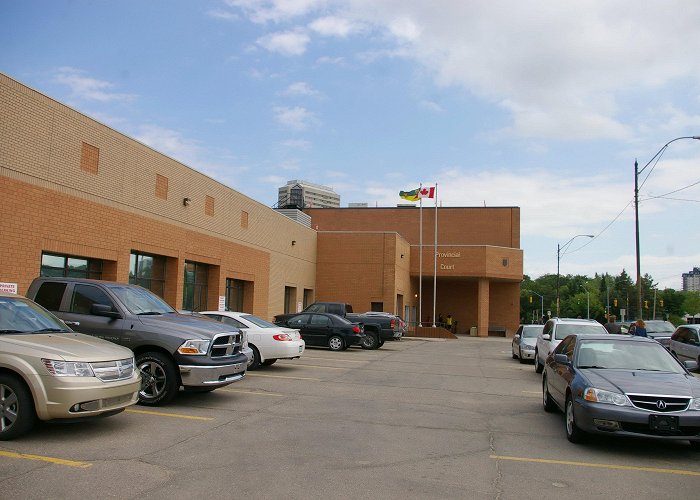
171 349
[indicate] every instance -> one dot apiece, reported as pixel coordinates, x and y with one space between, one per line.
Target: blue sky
539 104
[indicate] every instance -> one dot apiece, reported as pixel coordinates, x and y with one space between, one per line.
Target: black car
620 385
326 330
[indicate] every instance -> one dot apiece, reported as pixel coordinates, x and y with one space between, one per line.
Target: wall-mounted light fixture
402 256
294 242
186 201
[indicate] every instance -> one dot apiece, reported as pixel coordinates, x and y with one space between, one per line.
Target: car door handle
72 323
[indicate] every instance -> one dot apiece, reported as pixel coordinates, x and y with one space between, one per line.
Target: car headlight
527 347
694 404
68 368
194 347
601 396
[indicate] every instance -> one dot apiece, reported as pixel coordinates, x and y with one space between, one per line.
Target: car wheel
370 341
547 402
520 356
269 362
254 363
335 343
381 343
17 414
159 382
538 367
573 433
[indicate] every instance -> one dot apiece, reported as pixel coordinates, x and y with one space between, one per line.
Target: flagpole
420 260
435 257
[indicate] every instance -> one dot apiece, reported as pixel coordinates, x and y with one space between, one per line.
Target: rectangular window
89 158
377 306
196 286
161 187
209 205
148 271
308 297
67 266
244 220
235 290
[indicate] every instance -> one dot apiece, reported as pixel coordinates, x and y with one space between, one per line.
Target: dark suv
171 349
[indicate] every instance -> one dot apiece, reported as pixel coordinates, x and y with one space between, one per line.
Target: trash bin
473 332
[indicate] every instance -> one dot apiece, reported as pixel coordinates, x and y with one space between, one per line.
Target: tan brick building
79 198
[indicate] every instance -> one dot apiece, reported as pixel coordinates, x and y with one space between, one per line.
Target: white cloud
89 89
225 15
264 11
288 43
296 118
330 60
431 106
273 179
301 89
335 26
299 144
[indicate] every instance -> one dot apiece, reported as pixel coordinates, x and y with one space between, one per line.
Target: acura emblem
661 404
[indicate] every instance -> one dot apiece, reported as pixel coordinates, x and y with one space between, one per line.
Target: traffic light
661 302
530 299
646 304
615 302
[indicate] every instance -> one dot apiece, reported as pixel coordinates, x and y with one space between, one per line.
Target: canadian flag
426 192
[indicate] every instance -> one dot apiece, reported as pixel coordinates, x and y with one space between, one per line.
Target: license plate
663 423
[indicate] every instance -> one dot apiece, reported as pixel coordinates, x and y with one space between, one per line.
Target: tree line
582 296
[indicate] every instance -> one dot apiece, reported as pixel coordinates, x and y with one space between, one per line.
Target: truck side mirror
104 310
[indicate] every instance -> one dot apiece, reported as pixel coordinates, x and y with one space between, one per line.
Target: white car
556 330
268 341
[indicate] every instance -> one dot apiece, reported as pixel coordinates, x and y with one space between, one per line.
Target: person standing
611 326
448 323
640 328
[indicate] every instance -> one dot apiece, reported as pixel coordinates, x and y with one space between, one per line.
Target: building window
161 187
377 306
89 158
244 220
308 297
196 286
69 266
209 205
148 271
235 290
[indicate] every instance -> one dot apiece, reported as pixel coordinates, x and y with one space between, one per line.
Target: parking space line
172 415
600 466
256 393
281 376
335 359
532 392
323 367
41 458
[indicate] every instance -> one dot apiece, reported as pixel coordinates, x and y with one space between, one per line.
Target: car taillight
356 329
392 324
282 336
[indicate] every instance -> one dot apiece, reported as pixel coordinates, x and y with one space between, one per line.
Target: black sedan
326 330
626 386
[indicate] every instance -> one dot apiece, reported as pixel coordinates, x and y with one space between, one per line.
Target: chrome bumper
211 376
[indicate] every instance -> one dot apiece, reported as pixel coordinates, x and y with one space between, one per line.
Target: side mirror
691 365
104 310
562 359
547 337
516 337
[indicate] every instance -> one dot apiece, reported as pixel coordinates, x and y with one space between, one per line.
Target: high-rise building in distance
303 194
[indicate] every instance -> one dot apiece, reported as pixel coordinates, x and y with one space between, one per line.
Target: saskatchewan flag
410 195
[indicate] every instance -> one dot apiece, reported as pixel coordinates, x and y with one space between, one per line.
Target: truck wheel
159 382
335 343
254 363
370 341
17 413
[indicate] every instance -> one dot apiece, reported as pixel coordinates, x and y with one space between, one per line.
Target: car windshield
141 301
530 332
564 330
626 355
660 327
18 315
258 321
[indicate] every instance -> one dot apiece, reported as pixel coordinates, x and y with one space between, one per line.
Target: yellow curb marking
53 460
172 415
600 466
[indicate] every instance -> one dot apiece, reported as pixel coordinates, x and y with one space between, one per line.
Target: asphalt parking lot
414 419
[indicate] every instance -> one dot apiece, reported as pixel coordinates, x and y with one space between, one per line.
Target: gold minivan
49 372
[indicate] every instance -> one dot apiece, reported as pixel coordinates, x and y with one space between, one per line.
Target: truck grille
661 404
227 344
109 371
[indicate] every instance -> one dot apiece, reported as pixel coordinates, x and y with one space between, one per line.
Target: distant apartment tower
691 280
303 194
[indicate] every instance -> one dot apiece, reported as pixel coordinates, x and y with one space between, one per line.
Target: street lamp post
560 249
636 212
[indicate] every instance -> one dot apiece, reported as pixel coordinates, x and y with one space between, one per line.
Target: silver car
685 343
524 340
